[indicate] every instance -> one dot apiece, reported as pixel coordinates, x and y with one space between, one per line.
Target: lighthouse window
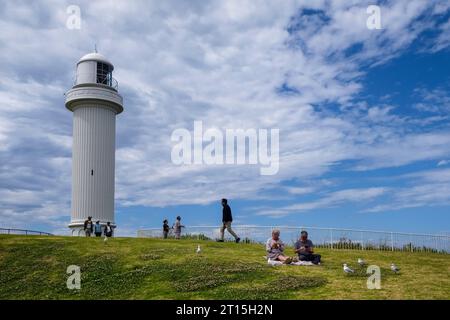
92 172
103 73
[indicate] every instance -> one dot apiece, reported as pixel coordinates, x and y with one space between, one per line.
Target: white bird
347 269
361 262
198 249
106 239
394 268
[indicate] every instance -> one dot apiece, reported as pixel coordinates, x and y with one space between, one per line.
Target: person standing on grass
98 229
227 219
88 226
177 228
305 249
108 230
166 228
275 248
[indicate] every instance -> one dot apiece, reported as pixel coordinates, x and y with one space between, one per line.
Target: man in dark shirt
166 228
305 249
88 226
226 222
108 230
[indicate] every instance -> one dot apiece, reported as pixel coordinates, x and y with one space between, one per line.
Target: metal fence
23 232
333 238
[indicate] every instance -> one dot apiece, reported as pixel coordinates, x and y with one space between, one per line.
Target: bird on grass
361 262
347 269
106 239
198 249
394 268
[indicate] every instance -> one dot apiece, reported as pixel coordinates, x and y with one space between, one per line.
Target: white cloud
429 195
329 200
221 62
443 40
435 100
395 151
300 190
426 188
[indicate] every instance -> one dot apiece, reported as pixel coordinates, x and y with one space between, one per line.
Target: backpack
98 228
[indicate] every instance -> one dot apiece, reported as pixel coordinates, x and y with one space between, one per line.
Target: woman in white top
275 248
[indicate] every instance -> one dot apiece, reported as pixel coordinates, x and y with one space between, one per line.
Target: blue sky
363 114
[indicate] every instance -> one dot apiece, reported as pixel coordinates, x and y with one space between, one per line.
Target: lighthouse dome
95 56
94 68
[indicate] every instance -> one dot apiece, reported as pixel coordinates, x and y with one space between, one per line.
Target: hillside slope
34 267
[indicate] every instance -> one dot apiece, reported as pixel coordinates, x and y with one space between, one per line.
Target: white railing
23 232
334 238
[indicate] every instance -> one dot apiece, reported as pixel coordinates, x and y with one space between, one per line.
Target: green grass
34 267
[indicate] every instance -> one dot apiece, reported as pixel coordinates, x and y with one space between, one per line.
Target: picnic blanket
298 263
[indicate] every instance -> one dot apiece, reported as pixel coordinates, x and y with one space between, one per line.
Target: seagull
347 269
394 268
198 249
361 262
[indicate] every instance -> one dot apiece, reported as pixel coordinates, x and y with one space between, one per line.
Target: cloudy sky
363 114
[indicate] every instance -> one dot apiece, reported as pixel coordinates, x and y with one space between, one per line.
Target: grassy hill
34 267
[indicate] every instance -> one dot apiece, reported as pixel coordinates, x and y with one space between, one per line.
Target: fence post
392 241
362 240
331 233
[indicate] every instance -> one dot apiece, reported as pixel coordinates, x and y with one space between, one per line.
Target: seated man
275 248
304 248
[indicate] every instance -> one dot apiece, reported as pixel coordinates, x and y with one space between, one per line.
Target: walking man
227 219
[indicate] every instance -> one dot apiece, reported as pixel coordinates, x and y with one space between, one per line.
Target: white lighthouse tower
95 102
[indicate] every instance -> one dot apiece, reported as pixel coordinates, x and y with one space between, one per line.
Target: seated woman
275 248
